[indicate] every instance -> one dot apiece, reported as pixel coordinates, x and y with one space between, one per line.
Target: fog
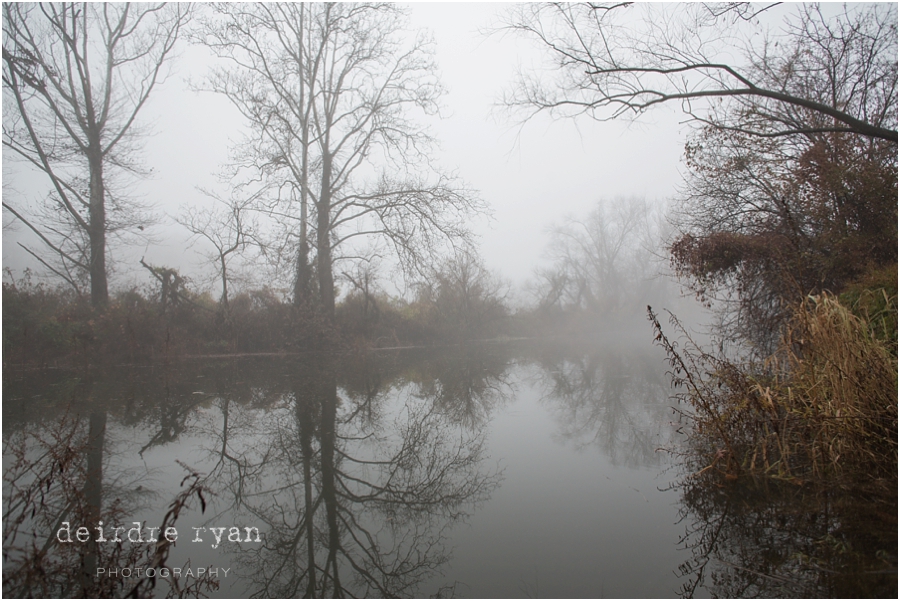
450 299
533 175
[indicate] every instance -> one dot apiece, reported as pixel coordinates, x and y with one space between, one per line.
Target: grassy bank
822 407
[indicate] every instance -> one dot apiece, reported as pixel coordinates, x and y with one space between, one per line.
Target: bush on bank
823 405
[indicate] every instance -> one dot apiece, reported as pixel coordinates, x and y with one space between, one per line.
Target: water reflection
355 491
465 384
356 469
768 539
57 479
93 490
612 399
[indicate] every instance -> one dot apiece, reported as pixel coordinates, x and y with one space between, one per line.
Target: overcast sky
531 176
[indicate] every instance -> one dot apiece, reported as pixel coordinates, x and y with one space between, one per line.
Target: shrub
824 404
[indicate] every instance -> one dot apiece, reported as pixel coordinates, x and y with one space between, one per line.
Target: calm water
486 471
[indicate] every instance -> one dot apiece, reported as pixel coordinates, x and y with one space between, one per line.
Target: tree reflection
767 539
51 475
93 492
57 479
355 491
612 399
465 384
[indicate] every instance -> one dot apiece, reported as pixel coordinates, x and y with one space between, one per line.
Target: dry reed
823 405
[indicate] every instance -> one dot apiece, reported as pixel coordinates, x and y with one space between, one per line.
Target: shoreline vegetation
789 467
823 405
45 326
785 227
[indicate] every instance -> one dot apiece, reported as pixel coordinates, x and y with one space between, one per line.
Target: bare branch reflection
466 383
355 494
63 479
613 399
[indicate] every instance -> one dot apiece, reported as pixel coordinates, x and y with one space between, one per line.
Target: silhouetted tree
75 77
230 229
328 91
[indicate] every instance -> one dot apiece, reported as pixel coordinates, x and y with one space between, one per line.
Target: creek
492 470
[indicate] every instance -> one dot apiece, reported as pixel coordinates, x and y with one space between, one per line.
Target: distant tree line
605 265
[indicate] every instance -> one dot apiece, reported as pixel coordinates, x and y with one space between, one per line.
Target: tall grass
839 382
824 404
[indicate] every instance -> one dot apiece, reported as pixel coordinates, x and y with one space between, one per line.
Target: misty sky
531 176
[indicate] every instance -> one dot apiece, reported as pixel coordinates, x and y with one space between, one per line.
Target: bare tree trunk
301 283
97 231
323 241
224 283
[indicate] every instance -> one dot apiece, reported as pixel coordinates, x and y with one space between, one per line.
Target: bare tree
327 90
467 299
230 229
75 77
602 261
817 74
364 279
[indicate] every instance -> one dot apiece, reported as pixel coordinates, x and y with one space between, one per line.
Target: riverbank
822 406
